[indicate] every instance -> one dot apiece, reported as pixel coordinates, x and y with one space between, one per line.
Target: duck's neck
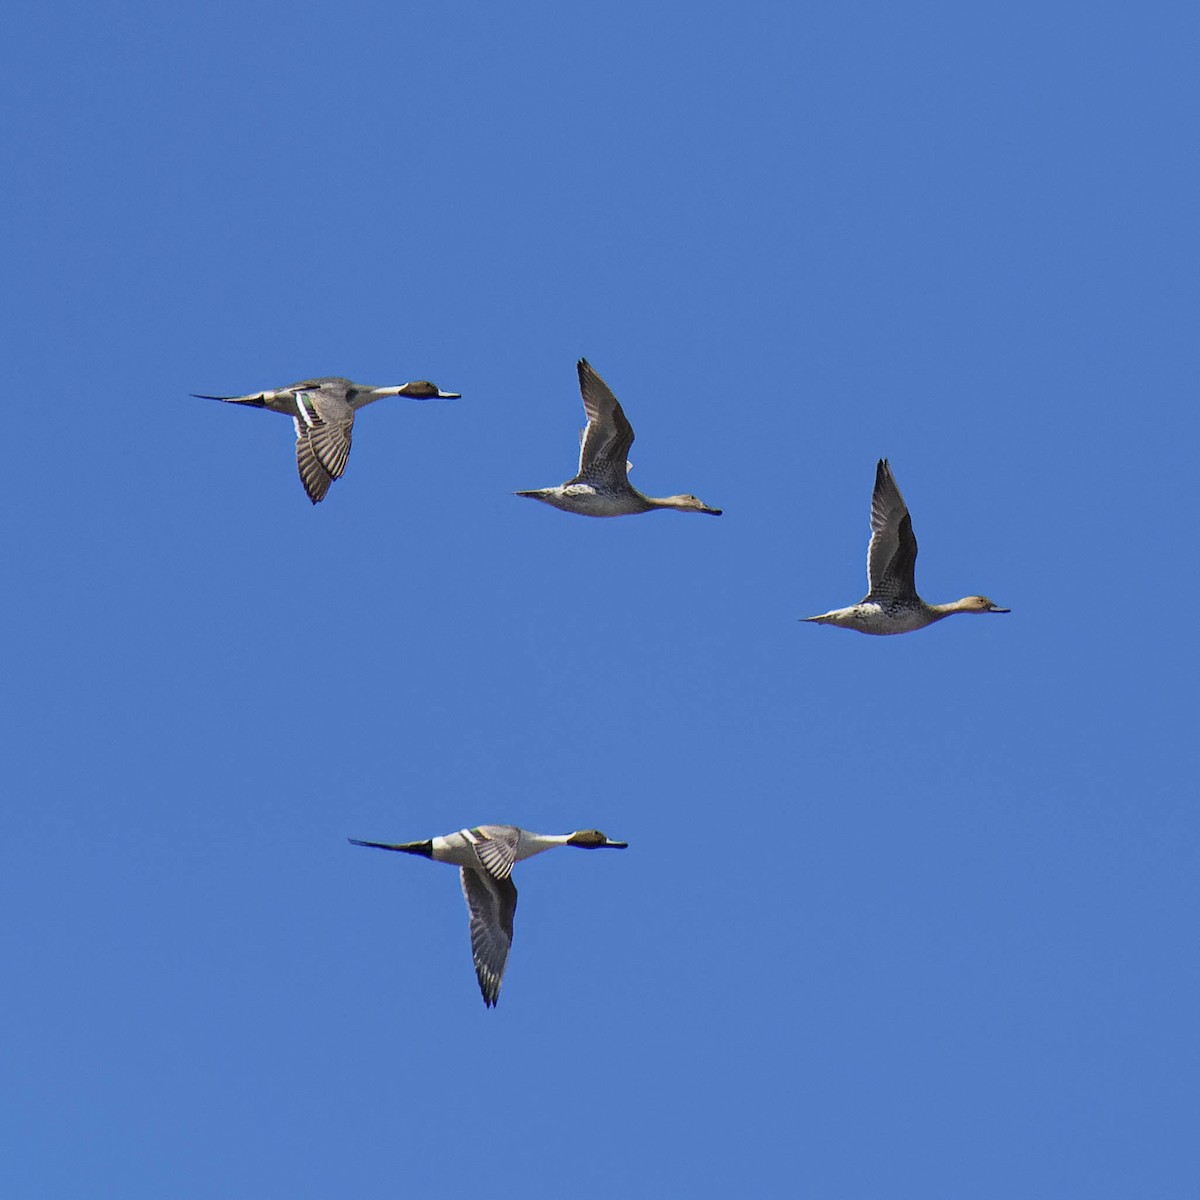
535 843
663 501
361 397
938 611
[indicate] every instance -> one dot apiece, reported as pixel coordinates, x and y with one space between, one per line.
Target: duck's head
419 389
979 604
593 839
689 504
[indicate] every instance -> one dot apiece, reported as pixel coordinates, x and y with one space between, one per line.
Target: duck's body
588 500
485 856
323 412
891 604
872 616
601 488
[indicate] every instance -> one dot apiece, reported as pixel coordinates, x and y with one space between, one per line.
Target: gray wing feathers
322 442
497 849
313 475
892 553
604 442
492 904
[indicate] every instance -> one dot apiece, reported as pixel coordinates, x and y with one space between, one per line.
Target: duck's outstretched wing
492 904
604 442
323 431
892 553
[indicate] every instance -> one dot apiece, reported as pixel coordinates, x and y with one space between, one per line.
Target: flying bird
892 604
485 856
602 488
323 413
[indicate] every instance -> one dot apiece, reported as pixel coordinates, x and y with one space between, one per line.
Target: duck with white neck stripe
485 856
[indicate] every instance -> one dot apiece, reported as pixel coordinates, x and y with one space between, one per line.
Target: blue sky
905 917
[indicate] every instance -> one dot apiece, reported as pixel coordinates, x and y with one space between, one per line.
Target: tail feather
258 401
423 848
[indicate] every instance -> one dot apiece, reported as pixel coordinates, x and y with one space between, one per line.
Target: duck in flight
485 856
892 604
601 488
323 413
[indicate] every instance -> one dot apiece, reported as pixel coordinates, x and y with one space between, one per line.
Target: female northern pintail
602 487
892 604
323 412
486 855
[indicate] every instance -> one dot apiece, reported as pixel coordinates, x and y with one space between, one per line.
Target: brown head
593 839
422 389
978 604
687 504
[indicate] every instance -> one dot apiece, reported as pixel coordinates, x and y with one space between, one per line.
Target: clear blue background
909 917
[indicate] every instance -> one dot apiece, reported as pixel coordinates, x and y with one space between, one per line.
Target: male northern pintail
892 604
323 413
602 487
486 855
